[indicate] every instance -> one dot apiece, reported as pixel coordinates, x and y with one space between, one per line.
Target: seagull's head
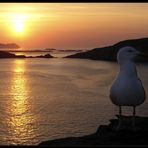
127 54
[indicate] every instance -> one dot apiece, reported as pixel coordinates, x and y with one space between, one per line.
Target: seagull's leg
134 113
119 123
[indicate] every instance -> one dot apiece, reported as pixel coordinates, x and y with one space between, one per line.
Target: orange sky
71 25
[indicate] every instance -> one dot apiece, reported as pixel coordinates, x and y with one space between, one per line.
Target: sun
19 23
19 27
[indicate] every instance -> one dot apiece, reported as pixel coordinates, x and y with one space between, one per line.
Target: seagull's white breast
127 89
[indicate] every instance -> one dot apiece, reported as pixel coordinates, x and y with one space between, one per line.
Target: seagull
127 88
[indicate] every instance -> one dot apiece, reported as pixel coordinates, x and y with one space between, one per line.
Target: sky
71 25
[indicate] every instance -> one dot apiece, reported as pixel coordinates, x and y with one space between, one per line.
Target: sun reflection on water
19 66
19 123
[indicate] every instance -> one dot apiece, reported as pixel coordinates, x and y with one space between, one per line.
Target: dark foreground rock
107 135
109 53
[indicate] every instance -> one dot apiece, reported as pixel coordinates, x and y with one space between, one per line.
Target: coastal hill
109 53
106 135
5 54
9 46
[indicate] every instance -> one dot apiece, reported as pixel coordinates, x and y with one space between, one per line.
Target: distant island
109 53
13 47
9 46
47 50
4 54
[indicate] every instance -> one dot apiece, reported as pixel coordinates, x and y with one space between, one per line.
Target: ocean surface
45 99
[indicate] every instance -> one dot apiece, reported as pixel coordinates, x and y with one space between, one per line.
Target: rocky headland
109 53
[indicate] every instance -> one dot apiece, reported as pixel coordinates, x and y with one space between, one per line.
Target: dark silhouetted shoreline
110 53
4 54
106 135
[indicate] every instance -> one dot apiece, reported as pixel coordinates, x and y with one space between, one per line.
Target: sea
44 99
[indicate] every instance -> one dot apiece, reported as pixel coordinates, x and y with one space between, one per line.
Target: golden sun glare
19 27
19 22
